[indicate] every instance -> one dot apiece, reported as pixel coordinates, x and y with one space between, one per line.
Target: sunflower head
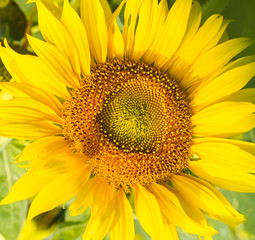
131 121
148 109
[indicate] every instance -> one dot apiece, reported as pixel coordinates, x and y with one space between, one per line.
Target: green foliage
68 231
12 22
212 7
4 75
12 216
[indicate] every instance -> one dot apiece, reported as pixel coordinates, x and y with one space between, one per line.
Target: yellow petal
171 232
148 213
130 21
55 32
194 213
27 186
76 29
50 156
31 70
207 37
22 109
224 176
163 11
93 18
115 40
193 25
176 66
57 164
201 39
224 119
173 212
160 13
44 147
244 95
23 90
28 130
231 65
227 83
237 63
107 9
246 146
170 36
58 191
103 210
146 28
217 152
85 196
216 57
58 65
124 226
200 194
52 6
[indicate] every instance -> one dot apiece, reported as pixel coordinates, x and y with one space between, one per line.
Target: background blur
18 18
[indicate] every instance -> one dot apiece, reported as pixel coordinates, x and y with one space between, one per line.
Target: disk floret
132 123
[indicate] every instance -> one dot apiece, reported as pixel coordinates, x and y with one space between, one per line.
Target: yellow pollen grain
131 121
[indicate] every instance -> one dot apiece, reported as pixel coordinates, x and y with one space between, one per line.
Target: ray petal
93 17
124 226
25 109
103 210
146 28
58 65
148 213
31 70
23 90
223 176
24 130
116 43
170 36
27 186
246 146
227 83
55 194
224 119
202 195
174 213
130 20
75 27
55 32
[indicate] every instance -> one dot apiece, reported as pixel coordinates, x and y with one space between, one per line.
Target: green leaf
224 231
12 216
242 14
213 7
67 231
4 74
12 22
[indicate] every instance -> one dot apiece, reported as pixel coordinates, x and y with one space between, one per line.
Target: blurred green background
18 18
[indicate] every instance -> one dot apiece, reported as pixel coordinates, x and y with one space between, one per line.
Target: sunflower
144 113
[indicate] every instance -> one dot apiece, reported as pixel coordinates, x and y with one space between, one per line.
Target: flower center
131 121
134 117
